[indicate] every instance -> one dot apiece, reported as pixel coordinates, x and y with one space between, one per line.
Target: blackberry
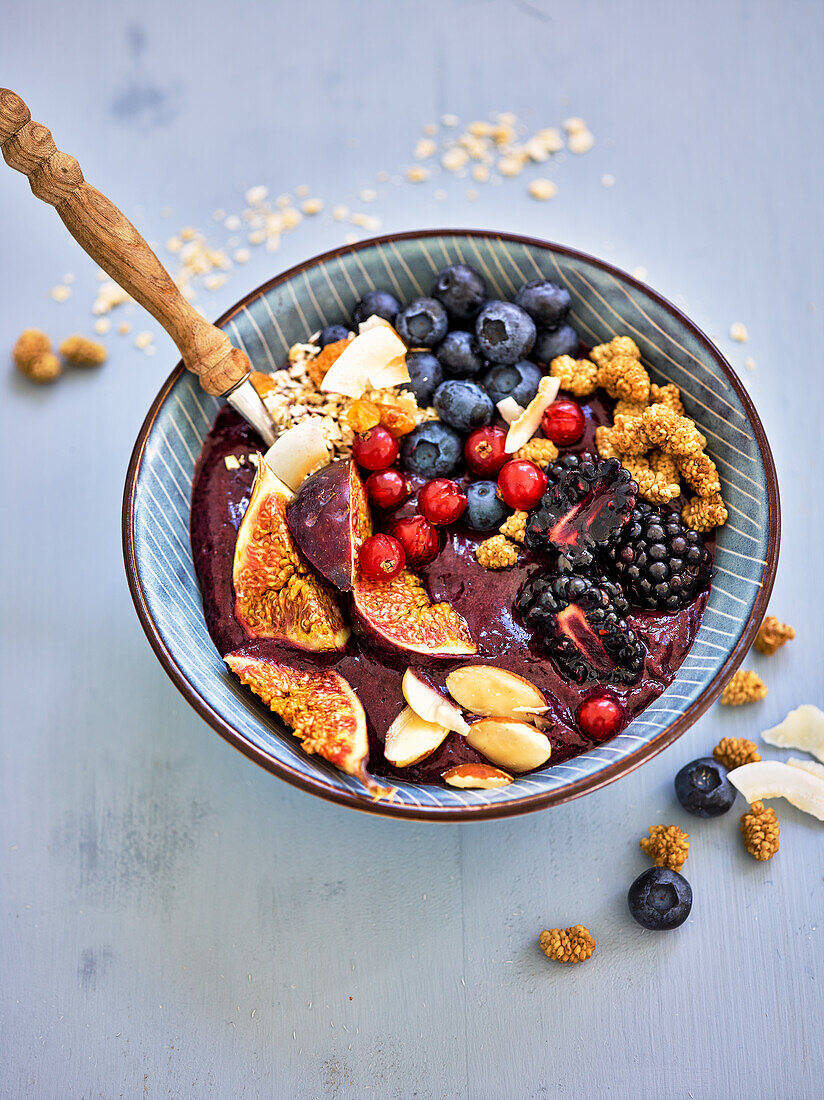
583 627
585 511
556 470
661 563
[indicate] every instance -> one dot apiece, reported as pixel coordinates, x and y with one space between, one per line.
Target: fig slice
399 613
510 744
298 452
329 518
526 425
803 728
430 705
411 739
320 706
771 779
494 692
277 595
476 777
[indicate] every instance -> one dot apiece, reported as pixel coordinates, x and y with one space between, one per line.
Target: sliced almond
476 777
364 359
298 452
430 705
509 409
411 738
510 744
494 692
803 728
771 779
527 424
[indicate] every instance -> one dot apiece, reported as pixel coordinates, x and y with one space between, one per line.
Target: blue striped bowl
605 302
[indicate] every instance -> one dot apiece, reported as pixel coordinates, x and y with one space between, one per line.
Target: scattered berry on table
422 323
660 899
745 686
459 355
661 564
563 422
601 716
461 289
331 334
381 557
583 627
376 449
463 405
546 303
522 484
550 343
703 789
432 450
574 944
425 375
484 511
388 489
667 846
419 539
734 752
377 303
772 634
505 332
484 451
760 830
516 380
442 501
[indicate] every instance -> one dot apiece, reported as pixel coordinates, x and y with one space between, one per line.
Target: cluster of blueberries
468 352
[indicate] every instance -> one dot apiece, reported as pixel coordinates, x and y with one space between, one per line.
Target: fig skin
321 520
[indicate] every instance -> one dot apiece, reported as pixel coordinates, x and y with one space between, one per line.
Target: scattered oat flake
340 212
102 326
143 340
382 176
214 282
449 120
425 147
351 238
174 244
232 223
738 332
480 173
510 165
256 195
639 272
607 180
574 125
580 141
187 233
543 189
368 195
166 212
218 215
440 195
302 190
241 255
417 174
312 206
124 328
68 278
61 292
455 159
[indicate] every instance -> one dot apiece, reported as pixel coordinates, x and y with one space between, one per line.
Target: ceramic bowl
606 302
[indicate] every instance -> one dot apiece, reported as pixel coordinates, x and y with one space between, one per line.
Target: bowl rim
362 801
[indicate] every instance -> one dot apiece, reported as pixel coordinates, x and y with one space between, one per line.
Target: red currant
388 489
376 449
381 557
484 451
522 484
441 501
563 422
420 540
601 716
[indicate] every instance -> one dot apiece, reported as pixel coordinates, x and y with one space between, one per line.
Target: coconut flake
527 424
509 409
297 453
377 353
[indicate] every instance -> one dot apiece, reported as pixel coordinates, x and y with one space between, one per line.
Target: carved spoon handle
115 245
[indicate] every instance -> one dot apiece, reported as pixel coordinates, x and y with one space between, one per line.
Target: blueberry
432 450
459 355
425 375
422 323
463 405
461 289
517 380
546 303
484 510
551 343
379 303
505 332
331 334
660 899
702 788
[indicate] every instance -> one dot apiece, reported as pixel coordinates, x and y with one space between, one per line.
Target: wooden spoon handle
113 242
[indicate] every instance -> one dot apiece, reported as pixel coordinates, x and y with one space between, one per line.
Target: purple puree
484 598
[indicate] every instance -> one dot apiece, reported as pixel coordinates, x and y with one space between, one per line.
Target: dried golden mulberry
619 345
760 830
668 395
539 451
674 434
628 408
33 357
745 686
572 944
700 472
514 527
628 436
734 752
496 552
702 515
772 634
82 352
667 846
577 376
625 378
604 444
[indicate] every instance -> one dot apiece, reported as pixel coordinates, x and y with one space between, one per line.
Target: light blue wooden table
177 922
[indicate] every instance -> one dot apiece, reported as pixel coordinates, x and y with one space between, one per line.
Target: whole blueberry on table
459 354
461 289
425 375
422 323
545 302
505 332
517 380
377 303
484 509
331 334
550 343
702 788
463 405
660 899
432 450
